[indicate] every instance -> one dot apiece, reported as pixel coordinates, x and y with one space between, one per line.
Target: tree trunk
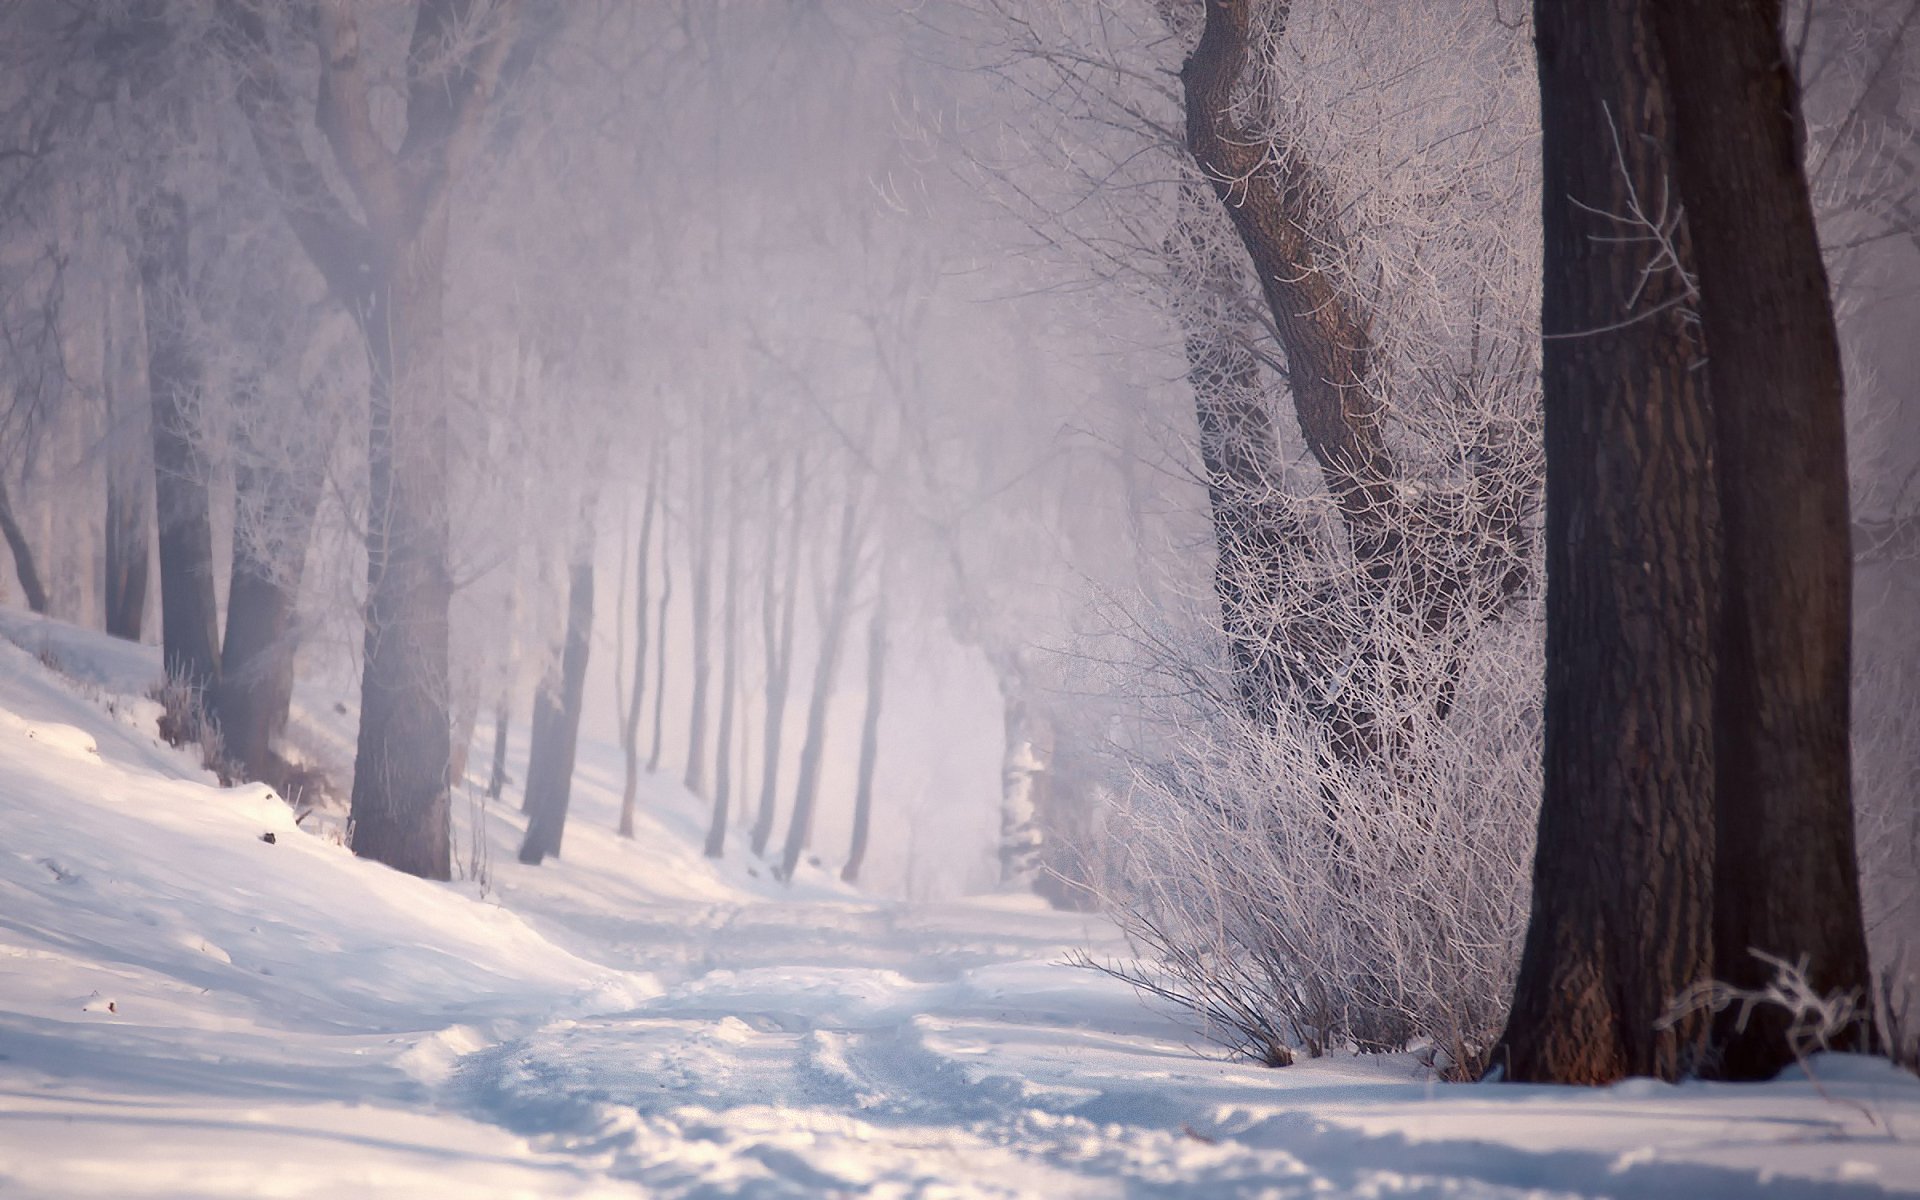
869 738
813 744
277 504
1281 211
557 710
497 776
401 814
1621 919
1254 537
189 620
129 487
23 564
630 721
777 607
701 545
660 657
1023 779
729 675
1786 881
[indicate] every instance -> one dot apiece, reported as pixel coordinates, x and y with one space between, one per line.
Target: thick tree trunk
1786 879
557 711
129 529
777 608
729 676
869 739
630 721
400 813
813 744
257 656
189 619
386 265
23 564
1621 902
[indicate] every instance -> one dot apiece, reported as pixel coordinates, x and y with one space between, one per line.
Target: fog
885 423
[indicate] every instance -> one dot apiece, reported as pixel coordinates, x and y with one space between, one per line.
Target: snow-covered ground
187 1009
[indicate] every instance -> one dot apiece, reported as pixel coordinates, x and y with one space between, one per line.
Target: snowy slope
188 1010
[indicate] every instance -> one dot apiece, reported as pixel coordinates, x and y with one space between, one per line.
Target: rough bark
1786 880
556 722
23 563
869 739
189 619
1279 208
1621 903
777 608
813 743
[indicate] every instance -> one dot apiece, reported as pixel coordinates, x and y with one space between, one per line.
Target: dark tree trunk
189 619
23 565
869 739
630 721
269 558
729 675
1621 918
1280 209
129 530
556 709
813 744
1786 881
777 607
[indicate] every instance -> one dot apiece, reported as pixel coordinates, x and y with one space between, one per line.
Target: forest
1369 531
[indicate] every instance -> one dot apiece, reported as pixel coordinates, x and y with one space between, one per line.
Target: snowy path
189 1010
805 1049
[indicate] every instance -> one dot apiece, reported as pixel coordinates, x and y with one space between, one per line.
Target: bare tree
630 713
1621 919
833 629
1786 880
387 271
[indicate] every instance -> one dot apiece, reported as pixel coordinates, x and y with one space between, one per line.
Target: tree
1625 858
826 667
724 767
387 271
189 621
1786 880
630 713
869 736
557 703
778 600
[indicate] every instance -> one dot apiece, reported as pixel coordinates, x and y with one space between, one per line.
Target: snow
187 1009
